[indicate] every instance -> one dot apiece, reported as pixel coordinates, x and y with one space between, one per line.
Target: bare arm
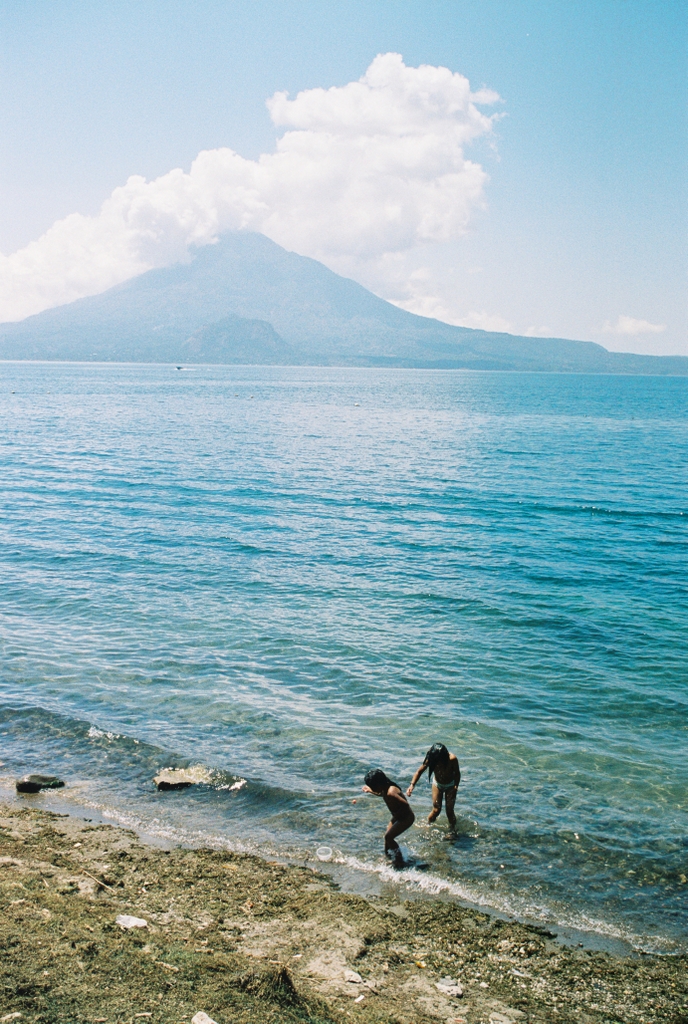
415 778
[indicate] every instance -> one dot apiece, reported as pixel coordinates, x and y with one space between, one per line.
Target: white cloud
627 325
437 308
422 290
483 321
367 171
543 331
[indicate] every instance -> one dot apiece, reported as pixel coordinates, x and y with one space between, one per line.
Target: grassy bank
249 941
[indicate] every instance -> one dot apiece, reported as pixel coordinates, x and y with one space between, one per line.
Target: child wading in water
377 783
445 767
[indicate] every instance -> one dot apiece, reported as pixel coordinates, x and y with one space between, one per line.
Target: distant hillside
248 300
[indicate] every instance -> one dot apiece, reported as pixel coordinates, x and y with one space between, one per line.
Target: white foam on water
234 787
159 829
95 733
415 880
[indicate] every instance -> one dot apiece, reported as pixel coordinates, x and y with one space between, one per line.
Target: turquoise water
289 575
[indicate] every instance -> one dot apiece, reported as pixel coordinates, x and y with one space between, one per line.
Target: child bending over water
377 783
445 767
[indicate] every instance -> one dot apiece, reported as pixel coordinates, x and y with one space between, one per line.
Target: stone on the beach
353 977
127 921
202 1018
35 783
449 987
182 778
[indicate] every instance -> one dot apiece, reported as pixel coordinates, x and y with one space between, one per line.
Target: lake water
289 575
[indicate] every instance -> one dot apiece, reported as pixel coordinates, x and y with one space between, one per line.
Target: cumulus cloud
364 172
627 325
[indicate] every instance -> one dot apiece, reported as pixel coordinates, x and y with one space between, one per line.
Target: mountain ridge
245 299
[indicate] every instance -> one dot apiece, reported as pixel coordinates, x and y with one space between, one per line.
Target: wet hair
376 780
437 754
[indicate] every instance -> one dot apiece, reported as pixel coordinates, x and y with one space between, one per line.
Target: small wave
235 786
178 835
224 781
415 880
95 733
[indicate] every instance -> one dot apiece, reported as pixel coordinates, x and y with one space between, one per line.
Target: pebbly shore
246 940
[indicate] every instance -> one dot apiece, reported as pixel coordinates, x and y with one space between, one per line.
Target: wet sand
246 940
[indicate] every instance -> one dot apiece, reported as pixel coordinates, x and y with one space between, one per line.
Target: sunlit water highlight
290 575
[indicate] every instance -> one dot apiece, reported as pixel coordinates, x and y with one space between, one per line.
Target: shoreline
352 877
245 940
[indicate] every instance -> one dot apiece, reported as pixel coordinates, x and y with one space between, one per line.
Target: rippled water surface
291 575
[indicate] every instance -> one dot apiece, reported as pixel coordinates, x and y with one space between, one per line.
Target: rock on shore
35 783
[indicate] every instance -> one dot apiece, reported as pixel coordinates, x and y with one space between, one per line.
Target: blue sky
581 226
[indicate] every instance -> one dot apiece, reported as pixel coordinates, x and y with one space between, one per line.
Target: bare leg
436 804
394 829
449 801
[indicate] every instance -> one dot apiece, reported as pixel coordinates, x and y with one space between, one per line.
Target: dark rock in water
165 784
35 783
182 778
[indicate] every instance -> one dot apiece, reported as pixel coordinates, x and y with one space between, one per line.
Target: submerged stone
182 778
35 783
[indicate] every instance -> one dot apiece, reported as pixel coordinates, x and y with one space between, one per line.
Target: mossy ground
250 941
